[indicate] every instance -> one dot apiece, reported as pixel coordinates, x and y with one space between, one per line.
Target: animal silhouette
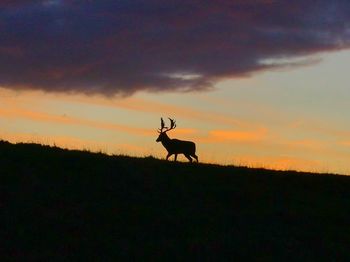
175 146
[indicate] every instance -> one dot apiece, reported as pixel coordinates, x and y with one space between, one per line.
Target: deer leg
175 157
195 157
188 157
168 155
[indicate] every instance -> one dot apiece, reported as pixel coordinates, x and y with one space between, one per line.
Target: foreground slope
71 204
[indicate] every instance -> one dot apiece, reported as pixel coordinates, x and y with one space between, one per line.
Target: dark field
66 205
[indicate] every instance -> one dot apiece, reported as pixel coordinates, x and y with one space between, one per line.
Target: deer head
163 129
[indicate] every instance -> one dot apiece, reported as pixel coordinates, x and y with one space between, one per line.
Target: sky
259 83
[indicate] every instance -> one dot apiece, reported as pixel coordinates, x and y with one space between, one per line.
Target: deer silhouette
175 146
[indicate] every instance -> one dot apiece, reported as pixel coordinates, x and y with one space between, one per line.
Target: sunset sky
260 83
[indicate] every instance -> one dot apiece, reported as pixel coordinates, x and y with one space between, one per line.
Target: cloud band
124 46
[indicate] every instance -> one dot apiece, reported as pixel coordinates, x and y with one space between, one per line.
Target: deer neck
166 141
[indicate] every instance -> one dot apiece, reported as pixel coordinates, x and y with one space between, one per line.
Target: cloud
14 113
120 47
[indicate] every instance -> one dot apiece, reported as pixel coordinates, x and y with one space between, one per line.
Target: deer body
176 146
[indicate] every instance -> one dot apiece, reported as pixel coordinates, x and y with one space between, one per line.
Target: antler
172 124
162 125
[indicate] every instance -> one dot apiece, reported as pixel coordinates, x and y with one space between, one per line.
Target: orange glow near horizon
277 163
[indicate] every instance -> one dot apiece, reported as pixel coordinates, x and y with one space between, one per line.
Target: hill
75 204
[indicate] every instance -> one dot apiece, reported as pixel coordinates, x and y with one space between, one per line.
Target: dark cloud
108 46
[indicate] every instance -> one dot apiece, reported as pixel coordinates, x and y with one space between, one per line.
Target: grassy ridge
69 204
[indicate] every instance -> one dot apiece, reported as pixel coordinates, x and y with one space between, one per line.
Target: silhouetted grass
75 204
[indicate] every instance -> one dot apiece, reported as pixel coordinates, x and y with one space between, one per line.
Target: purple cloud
123 46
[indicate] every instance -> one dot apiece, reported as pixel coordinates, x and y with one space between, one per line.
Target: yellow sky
296 118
